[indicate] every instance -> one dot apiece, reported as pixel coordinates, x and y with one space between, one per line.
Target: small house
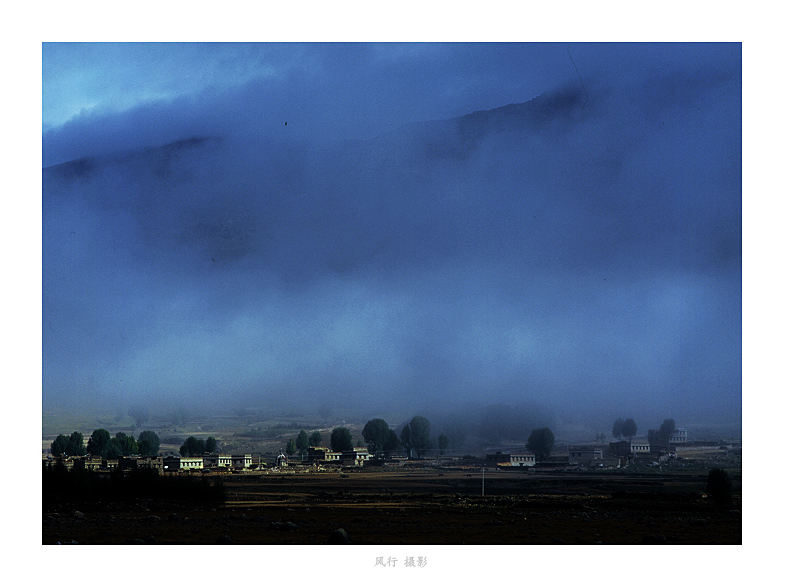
585 455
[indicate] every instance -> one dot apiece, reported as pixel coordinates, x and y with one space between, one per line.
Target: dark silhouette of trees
302 442
68 445
624 428
663 434
667 428
290 447
96 444
128 444
210 445
193 447
444 441
113 449
341 439
149 443
61 487
392 443
416 436
76 444
59 445
718 486
540 443
315 439
376 434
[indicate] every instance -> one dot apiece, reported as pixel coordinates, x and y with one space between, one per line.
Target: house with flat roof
517 458
630 448
242 461
584 455
214 460
357 457
522 459
323 454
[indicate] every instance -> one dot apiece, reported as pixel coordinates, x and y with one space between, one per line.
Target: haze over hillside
575 254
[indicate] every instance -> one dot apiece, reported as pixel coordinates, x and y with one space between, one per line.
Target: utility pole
483 480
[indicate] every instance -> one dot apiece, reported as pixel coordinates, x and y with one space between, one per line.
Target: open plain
416 505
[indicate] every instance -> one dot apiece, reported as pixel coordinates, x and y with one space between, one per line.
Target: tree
315 439
210 445
302 442
149 443
420 434
113 449
376 432
444 441
59 446
97 441
618 427
667 428
629 429
290 447
718 486
127 443
341 439
392 443
541 443
192 447
75 444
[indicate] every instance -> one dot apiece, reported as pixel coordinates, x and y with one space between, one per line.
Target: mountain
449 138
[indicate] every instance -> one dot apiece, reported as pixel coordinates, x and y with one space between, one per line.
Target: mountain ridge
450 137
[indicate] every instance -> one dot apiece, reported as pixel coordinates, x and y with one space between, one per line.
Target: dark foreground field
421 507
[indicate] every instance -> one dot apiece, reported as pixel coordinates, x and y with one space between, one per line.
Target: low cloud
584 255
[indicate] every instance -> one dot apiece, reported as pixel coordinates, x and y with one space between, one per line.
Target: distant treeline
60 485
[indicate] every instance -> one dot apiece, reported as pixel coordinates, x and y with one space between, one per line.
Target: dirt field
418 507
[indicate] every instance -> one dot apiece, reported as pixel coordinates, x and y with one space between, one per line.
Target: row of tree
627 428
380 439
303 442
194 446
102 443
624 428
415 437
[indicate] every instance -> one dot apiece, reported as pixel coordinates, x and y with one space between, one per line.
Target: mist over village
291 290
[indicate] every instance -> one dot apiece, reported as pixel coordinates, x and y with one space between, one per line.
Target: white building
191 463
679 435
241 461
522 459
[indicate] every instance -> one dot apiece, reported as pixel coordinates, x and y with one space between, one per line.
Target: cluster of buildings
209 462
358 456
162 464
618 453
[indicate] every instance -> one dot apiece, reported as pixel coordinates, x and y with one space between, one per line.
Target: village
613 455
630 490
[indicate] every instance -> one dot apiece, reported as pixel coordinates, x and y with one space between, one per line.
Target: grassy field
422 506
